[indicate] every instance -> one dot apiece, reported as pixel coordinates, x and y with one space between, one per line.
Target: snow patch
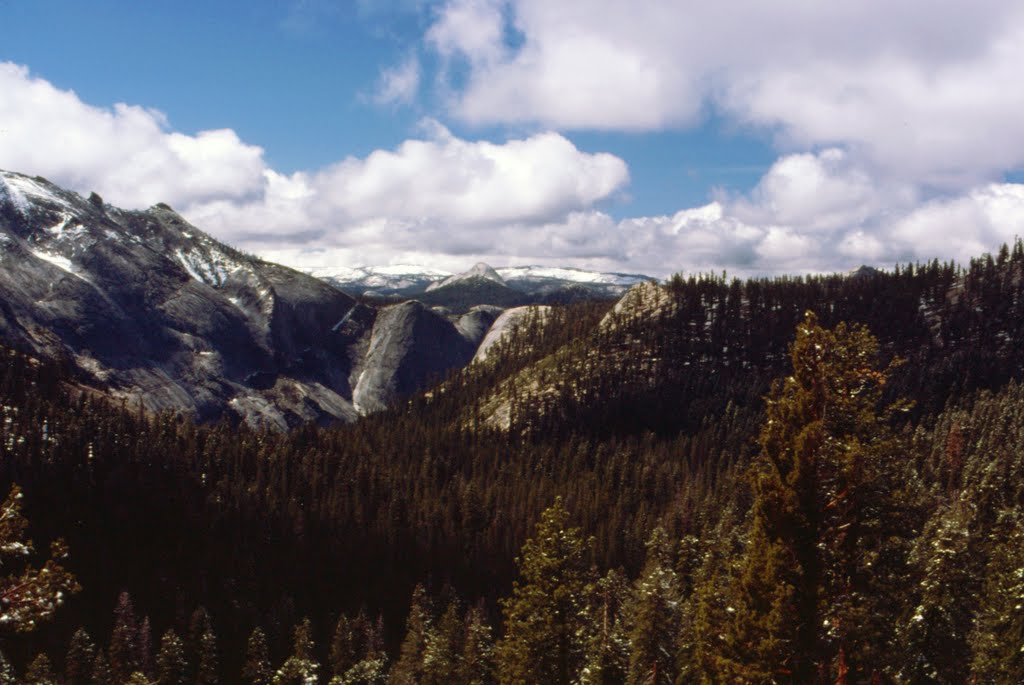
20 188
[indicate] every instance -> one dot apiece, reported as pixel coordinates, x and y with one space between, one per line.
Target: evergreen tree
343 647
171 666
101 673
808 604
207 673
144 648
79 660
138 678
443 648
408 670
301 667
476 666
32 595
7 675
124 645
654 616
544 641
40 672
607 653
256 670
998 636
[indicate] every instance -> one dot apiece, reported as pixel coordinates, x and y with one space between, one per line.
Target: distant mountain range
149 308
482 284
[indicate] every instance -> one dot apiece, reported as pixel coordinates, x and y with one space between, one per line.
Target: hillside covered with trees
791 480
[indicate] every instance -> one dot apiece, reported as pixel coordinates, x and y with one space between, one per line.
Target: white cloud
926 90
125 152
398 85
449 201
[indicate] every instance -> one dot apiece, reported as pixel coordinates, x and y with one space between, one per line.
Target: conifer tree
101 673
654 616
40 672
7 675
79 660
256 670
144 648
808 603
343 647
408 670
138 678
30 595
476 666
171 666
543 642
998 636
124 646
607 653
301 668
443 648
206 671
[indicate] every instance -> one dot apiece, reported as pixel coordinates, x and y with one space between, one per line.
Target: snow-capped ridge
479 271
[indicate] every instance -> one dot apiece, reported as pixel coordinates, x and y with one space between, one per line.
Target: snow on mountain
479 271
514 274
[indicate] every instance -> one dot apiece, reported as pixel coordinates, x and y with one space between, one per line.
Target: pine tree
256 670
476 667
408 670
607 652
808 603
40 672
443 648
144 648
79 660
654 616
207 673
101 673
301 668
998 636
343 648
32 595
198 646
543 642
7 675
171 666
124 646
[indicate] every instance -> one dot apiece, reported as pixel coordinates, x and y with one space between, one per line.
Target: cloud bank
894 127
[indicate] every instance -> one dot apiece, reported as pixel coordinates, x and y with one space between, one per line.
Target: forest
796 480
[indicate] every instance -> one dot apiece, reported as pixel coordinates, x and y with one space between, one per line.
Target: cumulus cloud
534 199
930 90
126 152
398 85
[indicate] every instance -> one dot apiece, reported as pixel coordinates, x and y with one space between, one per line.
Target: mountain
150 309
534 284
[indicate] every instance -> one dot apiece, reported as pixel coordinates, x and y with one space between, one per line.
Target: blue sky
649 136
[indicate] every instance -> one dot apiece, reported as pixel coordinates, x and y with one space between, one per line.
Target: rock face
410 345
151 309
505 325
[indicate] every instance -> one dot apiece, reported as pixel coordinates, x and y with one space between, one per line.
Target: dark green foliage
256 670
828 513
79 661
654 619
545 629
998 635
171 663
301 668
101 673
649 418
124 640
40 672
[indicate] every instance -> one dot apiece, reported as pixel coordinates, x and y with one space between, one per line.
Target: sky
651 136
